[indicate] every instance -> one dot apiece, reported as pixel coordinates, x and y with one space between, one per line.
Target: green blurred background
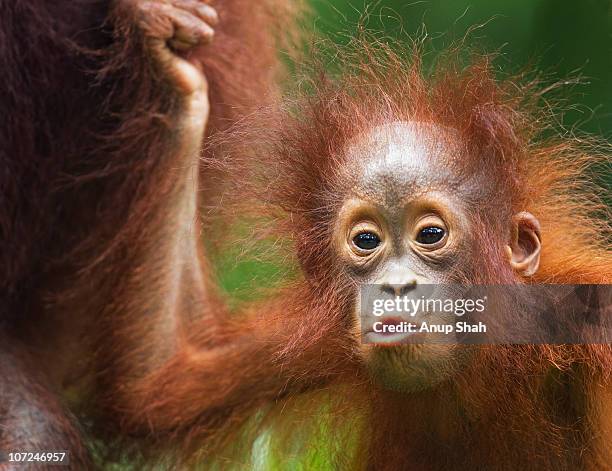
565 39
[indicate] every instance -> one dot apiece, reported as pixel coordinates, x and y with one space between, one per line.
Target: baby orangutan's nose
399 289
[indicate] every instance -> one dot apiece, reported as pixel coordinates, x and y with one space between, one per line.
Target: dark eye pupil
366 241
430 235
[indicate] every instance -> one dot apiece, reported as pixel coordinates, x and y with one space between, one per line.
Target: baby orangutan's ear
526 243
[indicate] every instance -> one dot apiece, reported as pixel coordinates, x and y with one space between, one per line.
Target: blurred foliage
247 275
563 38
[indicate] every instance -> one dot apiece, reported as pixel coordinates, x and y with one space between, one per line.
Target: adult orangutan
103 111
383 175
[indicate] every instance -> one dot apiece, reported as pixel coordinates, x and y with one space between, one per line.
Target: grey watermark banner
496 314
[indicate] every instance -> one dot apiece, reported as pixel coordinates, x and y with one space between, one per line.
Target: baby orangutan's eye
430 235
366 241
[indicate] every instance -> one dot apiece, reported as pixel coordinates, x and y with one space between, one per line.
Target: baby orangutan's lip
392 320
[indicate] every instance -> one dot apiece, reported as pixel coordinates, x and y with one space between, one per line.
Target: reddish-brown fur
100 208
88 135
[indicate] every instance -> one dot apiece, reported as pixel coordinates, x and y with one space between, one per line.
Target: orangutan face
407 225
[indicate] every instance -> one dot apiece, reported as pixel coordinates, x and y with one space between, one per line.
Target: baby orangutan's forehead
401 159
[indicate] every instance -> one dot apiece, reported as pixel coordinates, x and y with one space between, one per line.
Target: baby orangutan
395 178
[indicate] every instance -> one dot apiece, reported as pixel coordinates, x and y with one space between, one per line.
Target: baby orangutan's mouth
389 330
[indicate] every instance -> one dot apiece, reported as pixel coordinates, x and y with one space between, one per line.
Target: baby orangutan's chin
413 368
